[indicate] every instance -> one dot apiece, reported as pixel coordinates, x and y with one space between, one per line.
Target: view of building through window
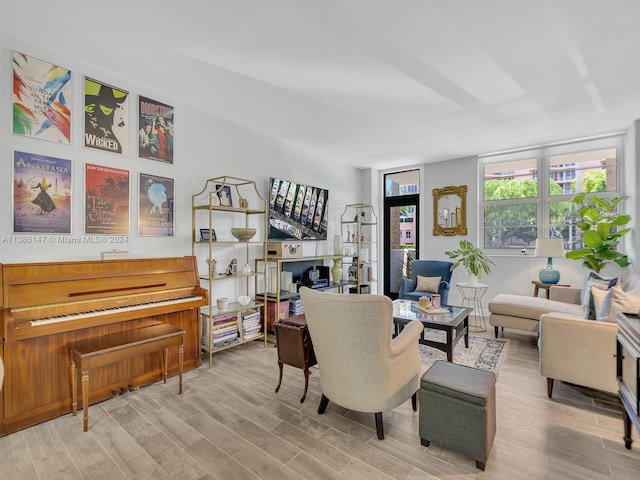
529 197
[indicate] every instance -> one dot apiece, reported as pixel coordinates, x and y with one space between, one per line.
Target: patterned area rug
483 353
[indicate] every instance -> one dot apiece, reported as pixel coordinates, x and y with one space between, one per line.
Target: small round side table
472 294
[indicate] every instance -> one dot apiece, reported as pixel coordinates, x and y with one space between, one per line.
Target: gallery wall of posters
41 99
106 122
155 130
106 200
155 205
41 194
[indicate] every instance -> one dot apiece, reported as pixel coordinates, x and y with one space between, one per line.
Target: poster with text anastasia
41 99
155 206
155 130
41 194
106 200
106 117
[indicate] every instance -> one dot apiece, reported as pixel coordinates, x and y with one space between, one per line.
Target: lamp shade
549 247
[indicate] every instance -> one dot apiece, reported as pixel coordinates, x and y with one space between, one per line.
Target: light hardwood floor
229 424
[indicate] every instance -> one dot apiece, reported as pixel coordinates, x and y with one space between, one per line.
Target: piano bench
100 351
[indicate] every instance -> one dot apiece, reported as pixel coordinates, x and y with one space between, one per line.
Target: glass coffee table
455 324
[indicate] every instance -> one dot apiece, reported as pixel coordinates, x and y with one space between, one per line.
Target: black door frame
389 203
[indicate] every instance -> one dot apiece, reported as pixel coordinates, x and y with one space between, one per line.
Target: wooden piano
47 306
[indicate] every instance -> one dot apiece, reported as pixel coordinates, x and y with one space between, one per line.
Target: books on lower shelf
251 324
224 328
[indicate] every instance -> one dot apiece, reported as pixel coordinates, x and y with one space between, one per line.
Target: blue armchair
427 268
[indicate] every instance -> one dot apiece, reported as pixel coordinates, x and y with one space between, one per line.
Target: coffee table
455 324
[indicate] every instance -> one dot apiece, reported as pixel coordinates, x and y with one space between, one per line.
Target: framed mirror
450 210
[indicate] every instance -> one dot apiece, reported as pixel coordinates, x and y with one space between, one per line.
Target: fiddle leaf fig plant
600 225
474 260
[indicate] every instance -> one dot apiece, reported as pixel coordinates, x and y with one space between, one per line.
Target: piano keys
46 306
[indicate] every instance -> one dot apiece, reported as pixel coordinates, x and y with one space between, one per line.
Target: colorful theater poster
155 130
41 99
106 200
41 194
106 117
155 206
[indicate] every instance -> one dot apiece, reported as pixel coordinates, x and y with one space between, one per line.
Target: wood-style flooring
229 424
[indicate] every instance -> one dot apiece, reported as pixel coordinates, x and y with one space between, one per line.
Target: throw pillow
623 302
428 284
593 279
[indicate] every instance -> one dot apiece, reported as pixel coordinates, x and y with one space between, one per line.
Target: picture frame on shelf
204 235
224 194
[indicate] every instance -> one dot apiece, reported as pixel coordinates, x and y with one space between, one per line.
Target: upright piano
47 306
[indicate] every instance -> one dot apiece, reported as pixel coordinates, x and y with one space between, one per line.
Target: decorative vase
336 270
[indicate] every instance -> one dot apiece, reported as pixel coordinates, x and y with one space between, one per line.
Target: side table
545 286
472 294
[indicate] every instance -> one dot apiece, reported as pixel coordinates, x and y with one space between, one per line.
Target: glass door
401 227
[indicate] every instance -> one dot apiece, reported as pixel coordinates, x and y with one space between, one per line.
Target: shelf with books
222 213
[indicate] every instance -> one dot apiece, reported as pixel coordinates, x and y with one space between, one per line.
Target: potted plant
600 225
474 260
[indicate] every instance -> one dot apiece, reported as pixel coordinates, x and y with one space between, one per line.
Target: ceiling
372 83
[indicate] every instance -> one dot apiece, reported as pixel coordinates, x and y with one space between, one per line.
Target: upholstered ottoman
458 409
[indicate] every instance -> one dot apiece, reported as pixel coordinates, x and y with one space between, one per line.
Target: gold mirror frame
455 223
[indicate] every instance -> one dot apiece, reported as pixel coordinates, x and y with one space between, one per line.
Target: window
407 235
526 194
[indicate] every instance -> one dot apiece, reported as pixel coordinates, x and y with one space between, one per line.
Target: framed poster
155 130
41 99
106 194
41 194
155 205
106 117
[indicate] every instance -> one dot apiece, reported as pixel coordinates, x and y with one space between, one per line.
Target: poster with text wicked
106 117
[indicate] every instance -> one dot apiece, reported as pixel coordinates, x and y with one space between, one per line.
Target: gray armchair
362 367
427 268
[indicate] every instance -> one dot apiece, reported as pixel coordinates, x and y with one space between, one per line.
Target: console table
628 371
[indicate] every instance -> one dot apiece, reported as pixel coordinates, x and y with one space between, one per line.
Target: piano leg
165 353
180 365
85 399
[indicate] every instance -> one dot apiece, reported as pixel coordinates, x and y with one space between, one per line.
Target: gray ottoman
458 409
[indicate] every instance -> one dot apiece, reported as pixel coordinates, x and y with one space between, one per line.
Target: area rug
483 353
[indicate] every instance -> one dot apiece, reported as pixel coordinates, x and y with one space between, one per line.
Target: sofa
573 348
523 313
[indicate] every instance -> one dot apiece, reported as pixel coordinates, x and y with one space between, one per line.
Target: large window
526 194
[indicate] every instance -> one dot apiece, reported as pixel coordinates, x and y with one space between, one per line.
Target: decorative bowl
243 234
244 300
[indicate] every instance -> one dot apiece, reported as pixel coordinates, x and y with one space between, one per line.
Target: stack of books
295 307
251 325
225 330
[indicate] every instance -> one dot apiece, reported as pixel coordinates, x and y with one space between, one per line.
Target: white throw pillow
428 284
623 302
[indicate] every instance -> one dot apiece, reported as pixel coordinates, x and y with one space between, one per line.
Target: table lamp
549 247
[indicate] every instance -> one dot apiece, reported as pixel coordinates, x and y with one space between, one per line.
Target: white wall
206 146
